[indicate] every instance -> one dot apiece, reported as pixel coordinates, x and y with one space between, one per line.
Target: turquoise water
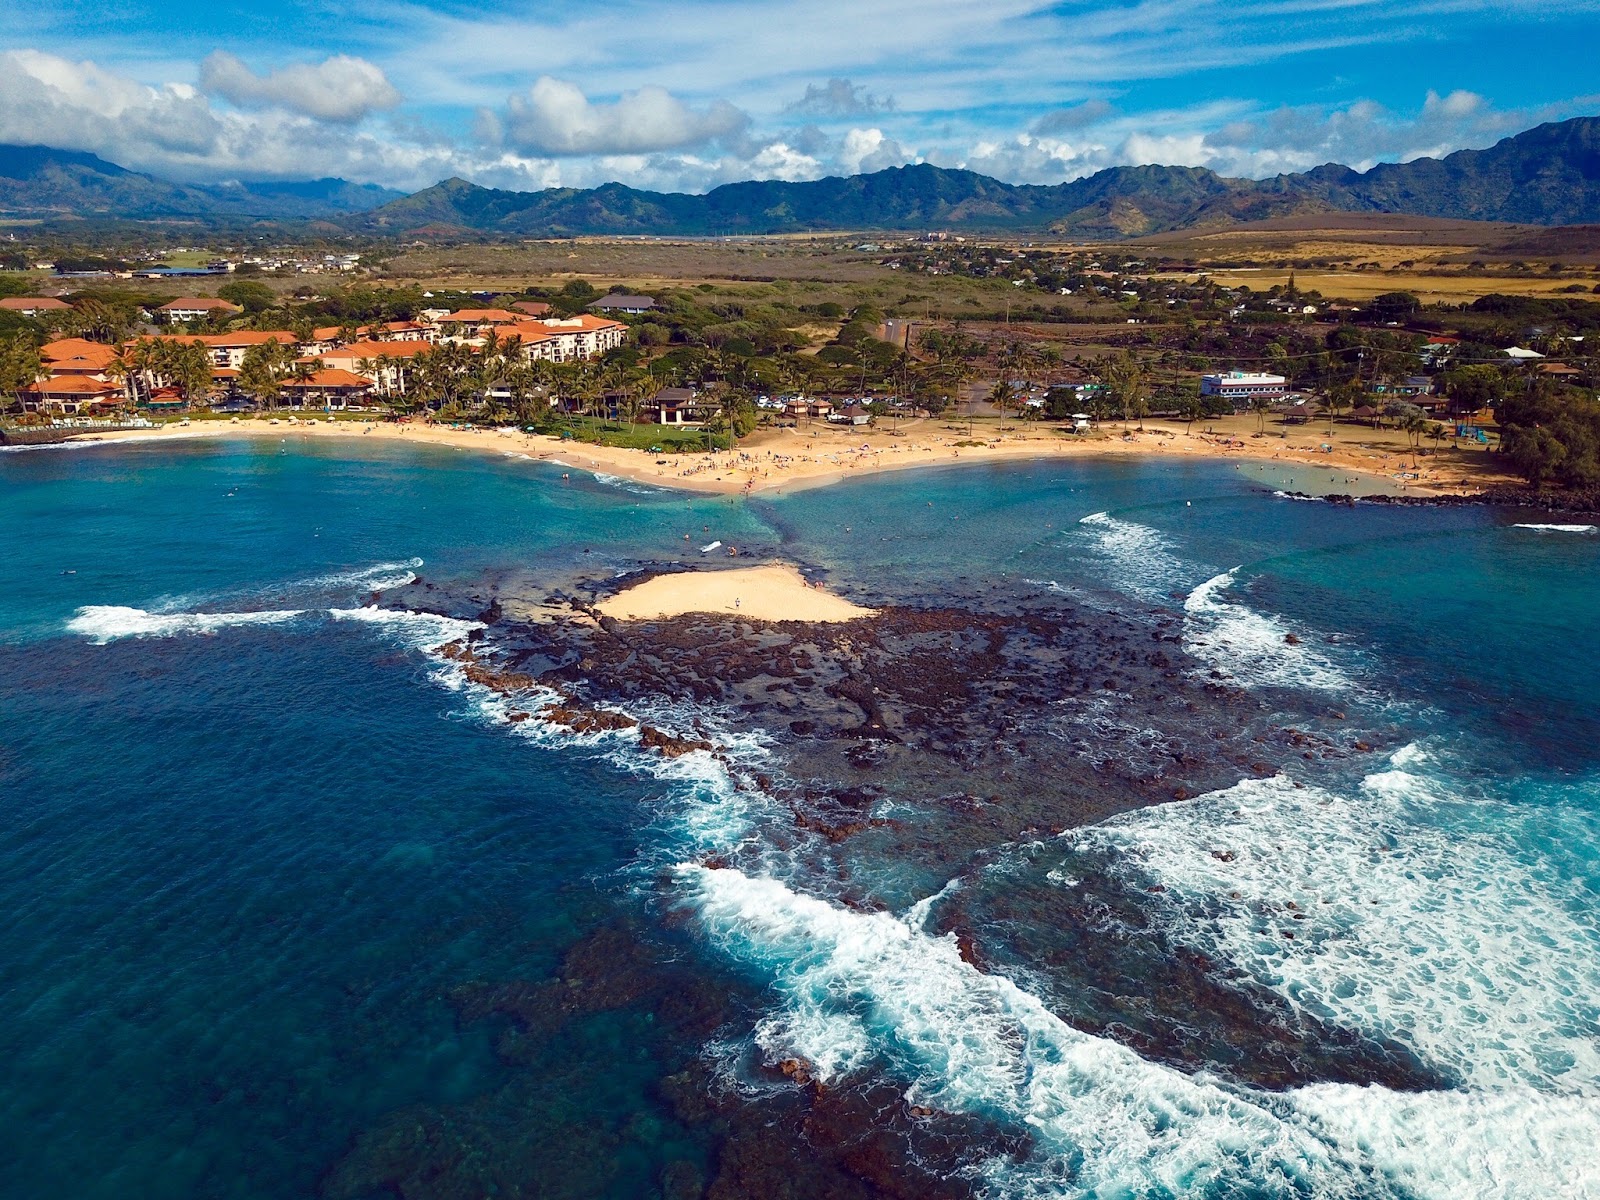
260 839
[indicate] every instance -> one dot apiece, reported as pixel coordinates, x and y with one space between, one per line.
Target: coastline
792 459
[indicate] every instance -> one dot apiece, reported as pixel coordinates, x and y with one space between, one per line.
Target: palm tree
1339 397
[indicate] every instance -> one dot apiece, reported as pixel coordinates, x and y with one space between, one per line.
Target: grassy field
1431 287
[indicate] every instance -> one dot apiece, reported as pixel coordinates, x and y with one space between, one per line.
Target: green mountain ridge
1546 176
1549 175
43 182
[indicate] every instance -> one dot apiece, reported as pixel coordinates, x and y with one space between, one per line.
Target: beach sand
775 592
816 455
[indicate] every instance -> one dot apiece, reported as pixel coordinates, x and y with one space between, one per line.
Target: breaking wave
1411 913
416 630
1558 528
865 991
1144 558
376 578
104 623
1249 646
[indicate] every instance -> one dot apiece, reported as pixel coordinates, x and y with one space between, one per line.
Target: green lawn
640 437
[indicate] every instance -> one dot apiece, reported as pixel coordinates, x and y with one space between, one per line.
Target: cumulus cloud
555 118
867 150
839 98
340 89
1070 120
173 131
79 105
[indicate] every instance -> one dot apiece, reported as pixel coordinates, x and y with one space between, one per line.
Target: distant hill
40 181
1546 176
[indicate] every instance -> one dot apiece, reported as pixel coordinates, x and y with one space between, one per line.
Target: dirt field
1355 256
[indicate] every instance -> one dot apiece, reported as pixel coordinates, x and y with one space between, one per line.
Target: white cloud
78 105
866 150
340 88
555 118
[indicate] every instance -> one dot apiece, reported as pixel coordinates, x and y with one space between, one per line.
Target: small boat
710 548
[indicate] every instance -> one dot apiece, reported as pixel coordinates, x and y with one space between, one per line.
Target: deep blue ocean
258 838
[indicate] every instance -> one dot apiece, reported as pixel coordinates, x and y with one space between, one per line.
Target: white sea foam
103 623
860 989
419 631
1413 915
378 577
626 485
1557 528
1251 646
871 990
1143 557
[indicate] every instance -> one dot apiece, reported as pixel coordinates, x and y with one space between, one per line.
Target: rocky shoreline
925 739
1585 503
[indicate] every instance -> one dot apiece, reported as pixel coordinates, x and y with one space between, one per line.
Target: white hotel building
1243 386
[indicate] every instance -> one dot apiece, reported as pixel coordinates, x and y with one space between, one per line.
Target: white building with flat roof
1243 385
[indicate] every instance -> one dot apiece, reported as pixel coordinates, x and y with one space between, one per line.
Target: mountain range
1549 175
42 182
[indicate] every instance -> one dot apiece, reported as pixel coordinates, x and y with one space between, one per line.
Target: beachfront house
675 406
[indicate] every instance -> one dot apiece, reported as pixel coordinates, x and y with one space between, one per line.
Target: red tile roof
378 350
483 316
331 379
73 385
199 302
78 349
33 303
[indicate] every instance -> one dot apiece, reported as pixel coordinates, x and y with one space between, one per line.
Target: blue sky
687 94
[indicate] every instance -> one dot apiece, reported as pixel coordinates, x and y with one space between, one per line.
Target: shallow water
295 908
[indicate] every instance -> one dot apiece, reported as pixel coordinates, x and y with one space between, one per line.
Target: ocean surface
294 909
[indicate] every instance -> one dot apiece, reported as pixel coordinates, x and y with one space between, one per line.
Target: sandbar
774 592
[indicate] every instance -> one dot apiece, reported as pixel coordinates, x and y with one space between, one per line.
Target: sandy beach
774 592
816 455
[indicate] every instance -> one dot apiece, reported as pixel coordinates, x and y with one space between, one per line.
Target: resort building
624 303
33 306
1243 386
568 339
196 308
228 349
79 377
332 388
383 364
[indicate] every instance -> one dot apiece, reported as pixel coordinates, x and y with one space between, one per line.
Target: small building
1243 386
809 408
675 406
850 414
1521 353
33 306
533 308
624 302
197 308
